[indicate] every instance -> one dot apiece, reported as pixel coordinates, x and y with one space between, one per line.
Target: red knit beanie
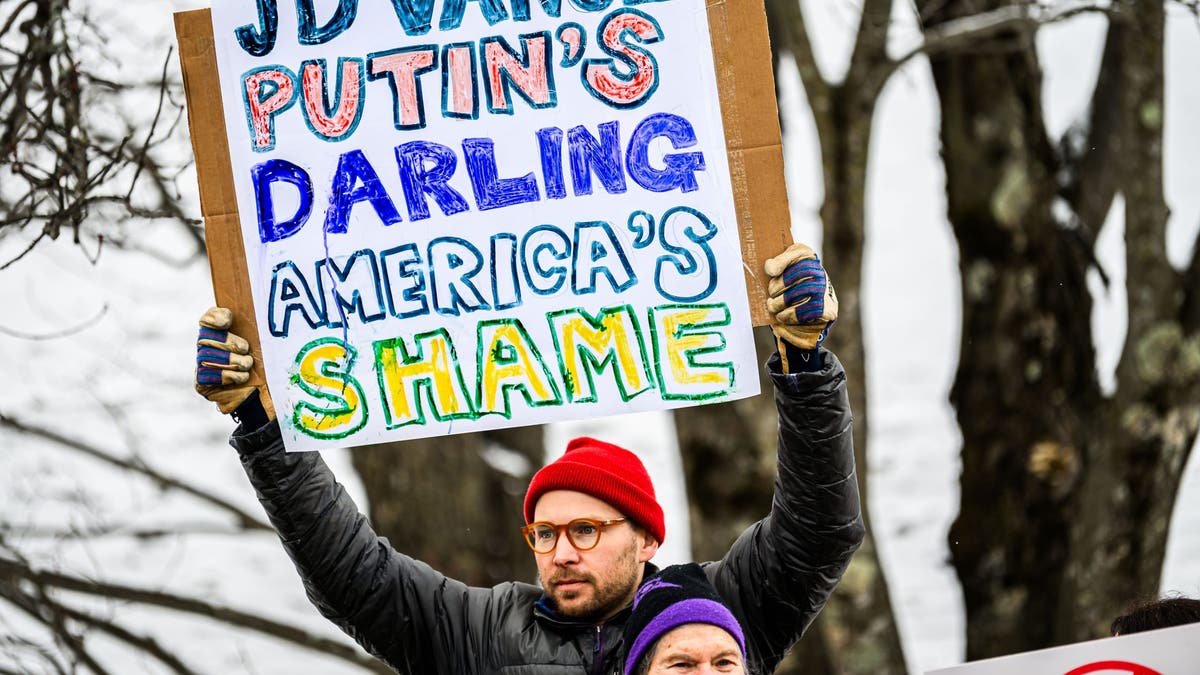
607 472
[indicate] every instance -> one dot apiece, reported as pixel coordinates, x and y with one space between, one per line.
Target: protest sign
1170 651
458 216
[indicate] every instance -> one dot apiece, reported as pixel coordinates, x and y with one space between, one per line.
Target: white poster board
1170 651
466 215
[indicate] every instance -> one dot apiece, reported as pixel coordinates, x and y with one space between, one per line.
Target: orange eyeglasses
583 533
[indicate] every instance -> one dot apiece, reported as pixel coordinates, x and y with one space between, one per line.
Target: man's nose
565 552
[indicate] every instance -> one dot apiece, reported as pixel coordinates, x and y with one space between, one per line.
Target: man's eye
725 665
584 529
544 533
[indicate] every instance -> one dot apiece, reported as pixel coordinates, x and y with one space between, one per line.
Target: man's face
594 584
697 649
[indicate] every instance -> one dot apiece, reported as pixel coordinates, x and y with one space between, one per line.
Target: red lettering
459 95
402 68
348 108
533 79
267 92
625 91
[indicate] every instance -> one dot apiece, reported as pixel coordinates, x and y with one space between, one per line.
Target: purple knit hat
676 596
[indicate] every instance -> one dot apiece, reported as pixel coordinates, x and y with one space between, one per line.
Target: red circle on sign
1126 666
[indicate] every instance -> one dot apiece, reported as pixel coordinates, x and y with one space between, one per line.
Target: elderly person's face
697 649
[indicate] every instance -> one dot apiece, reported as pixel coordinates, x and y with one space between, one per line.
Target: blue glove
801 299
223 361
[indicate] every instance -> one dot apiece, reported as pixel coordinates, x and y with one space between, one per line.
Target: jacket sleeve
781 570
404 612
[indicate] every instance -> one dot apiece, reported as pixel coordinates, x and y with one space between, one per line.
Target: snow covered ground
124 383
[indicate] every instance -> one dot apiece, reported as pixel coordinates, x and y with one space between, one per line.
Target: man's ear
648 546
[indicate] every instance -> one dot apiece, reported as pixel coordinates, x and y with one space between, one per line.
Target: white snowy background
123 384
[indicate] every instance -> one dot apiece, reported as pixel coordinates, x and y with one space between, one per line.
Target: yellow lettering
434 367
508 359
322 371
684 338
587 345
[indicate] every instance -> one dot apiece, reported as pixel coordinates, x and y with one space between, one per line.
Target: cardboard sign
458 216
1170 651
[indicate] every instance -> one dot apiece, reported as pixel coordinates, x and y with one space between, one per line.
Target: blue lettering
310 34
591 5
260 40
356 181
264 176
538 242
680 167
290 292
354 287
403 281
550 143
417 179
597 252
415 15
683 231
602 157
453 263
452 13
491 191
506 291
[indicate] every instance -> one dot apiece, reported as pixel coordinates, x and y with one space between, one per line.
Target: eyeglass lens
582 533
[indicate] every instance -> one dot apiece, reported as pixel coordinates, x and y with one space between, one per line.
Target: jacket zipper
597 646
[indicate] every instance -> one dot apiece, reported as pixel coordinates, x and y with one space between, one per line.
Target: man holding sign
593 524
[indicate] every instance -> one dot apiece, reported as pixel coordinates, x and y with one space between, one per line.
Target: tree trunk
856 633
1066 494
441 501
728 456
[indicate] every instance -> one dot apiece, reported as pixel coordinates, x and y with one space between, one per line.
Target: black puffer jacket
775 578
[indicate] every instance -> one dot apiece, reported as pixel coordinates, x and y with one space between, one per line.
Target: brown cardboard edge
218 202
742 58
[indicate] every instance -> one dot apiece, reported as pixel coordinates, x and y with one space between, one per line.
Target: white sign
1170 651
468 215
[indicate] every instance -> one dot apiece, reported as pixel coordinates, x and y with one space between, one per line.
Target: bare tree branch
141 642
1092 149
100 532
24 252
869 60
963 33
790 20
1148 270
65 332
54 152
245 519
11 570
34 606
14 644
47 613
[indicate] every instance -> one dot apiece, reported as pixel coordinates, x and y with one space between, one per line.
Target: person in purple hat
680 626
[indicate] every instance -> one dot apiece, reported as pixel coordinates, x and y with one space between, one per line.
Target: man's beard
606 598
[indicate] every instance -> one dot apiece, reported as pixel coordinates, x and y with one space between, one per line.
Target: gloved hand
801 299
223 364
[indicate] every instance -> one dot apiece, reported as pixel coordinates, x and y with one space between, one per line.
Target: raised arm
779 573
402 611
